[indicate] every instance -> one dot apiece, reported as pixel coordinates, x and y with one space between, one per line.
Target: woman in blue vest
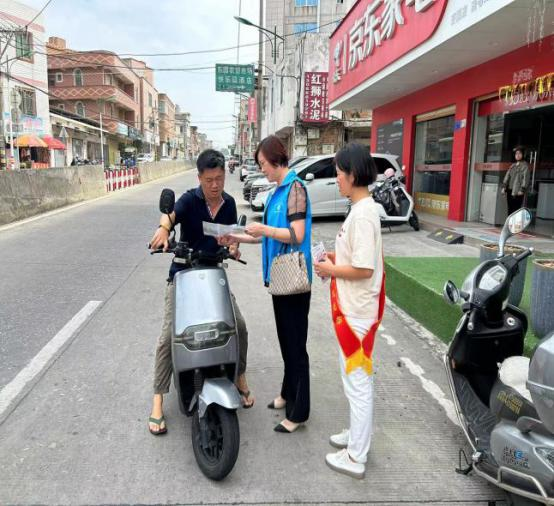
287 222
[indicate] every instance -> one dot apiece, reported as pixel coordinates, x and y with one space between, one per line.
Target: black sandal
245 396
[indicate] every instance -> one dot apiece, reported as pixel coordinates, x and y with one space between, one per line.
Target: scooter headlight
210 335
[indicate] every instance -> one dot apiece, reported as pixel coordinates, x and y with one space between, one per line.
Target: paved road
79 435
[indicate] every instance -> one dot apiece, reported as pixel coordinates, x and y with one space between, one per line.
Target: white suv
320 175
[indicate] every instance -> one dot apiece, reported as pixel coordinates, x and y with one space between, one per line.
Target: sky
166 26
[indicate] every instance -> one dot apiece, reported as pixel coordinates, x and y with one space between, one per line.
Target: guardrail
119 179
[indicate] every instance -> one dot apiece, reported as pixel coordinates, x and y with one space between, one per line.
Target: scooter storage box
541 381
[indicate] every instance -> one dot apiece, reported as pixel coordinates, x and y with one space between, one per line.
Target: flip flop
245 396
157 421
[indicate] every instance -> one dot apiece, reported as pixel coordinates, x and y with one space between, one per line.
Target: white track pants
358 388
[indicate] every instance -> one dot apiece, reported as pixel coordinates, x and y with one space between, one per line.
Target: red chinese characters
316 104
374 34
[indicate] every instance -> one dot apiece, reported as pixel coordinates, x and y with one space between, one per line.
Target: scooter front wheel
414 221
215 441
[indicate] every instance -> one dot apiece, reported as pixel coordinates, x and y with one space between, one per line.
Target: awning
30 141
53 143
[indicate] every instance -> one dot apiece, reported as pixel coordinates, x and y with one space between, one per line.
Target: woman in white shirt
357 300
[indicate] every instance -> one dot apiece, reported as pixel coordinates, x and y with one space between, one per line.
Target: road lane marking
391 341
433 389
44 358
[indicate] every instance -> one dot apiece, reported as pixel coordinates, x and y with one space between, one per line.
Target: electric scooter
504 401
205 352
395 205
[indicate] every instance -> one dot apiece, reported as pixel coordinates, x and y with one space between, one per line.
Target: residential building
81 137
295 17
148 115
194 149
24 104
286 111
97 85
182 127
305 26
454 116
166 112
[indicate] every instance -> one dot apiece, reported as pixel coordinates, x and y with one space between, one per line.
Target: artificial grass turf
415 284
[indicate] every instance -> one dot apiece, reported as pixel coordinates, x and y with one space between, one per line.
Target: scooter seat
514 373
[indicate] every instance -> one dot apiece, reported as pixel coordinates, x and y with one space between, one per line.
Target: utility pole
259 91
101 141
238 140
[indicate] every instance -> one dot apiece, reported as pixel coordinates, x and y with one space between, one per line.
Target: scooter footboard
219 391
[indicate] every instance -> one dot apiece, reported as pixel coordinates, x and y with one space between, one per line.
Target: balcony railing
107 93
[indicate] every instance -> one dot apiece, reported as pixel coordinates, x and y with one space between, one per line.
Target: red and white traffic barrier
119 179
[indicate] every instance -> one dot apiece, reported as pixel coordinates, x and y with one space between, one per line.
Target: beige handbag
289 274
289 271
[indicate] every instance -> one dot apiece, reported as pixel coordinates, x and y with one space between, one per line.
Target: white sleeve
363 241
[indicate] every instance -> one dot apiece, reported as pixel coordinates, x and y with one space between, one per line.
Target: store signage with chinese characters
528 92
252 110
237 78
316 106
432 203
374 34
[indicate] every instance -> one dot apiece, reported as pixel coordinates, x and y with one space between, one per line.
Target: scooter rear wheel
217 451
414 221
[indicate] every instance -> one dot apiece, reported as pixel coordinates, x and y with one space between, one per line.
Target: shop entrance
496 134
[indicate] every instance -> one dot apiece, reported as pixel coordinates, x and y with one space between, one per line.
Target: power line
39 13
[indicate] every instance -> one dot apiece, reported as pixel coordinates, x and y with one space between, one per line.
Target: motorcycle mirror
242 220
451 293
516 223
167 201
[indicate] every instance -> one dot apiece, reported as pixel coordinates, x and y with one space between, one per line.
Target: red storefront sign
252 110
316 105
374 34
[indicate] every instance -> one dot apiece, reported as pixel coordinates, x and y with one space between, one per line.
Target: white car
146 157
319 174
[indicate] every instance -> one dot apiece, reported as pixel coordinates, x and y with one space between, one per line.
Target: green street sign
235 78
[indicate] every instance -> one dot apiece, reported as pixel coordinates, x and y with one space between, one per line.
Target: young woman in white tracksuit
357 300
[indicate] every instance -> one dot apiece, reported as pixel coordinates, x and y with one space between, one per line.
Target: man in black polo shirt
208 203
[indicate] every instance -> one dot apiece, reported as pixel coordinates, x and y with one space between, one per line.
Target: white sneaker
341 463
340 440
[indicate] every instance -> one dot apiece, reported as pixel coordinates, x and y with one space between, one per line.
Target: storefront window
495 131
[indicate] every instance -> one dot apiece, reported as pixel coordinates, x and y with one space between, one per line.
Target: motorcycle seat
514 372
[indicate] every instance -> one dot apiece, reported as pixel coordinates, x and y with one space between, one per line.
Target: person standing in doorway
516 181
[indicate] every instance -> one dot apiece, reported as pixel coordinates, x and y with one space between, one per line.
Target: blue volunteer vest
275 215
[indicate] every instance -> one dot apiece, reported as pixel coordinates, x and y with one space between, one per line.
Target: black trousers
515 202
291 318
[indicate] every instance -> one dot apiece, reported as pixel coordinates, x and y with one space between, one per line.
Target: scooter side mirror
167 201
516 223
241 222
451 293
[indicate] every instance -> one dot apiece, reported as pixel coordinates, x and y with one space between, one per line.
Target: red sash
357 353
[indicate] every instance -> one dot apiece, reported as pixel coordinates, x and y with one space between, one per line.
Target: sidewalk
479 233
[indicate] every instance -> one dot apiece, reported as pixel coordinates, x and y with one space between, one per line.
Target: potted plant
489 251
542 297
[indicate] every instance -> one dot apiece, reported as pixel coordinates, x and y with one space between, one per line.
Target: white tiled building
24 80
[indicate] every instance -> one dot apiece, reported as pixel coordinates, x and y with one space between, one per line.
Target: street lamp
265 31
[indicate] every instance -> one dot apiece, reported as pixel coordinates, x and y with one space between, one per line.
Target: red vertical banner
316 105
252 110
